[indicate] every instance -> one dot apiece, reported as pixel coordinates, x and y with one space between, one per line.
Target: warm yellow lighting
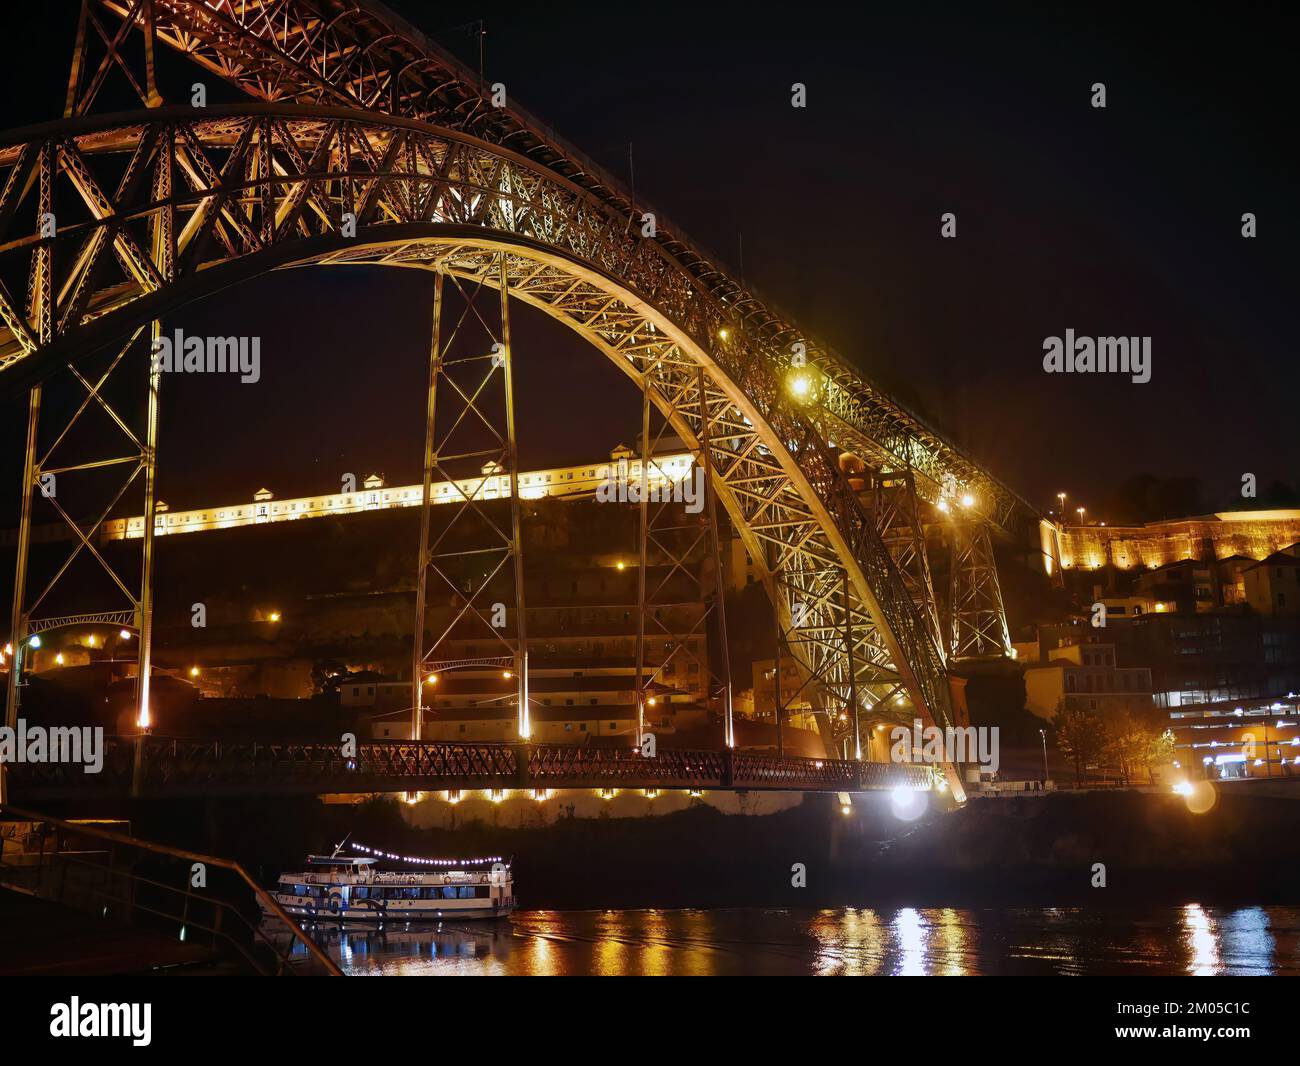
9 649
432 679
507 674
412 798
497 795
943 506
274 616
723 333
651 793
90 641
696 793
59 658
125 634
621 565
652 701
453 795
846 809
194 671
968 500
607 793
802 385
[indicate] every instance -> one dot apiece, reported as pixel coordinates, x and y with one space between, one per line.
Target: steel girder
359 54
978 620
166 767
262 187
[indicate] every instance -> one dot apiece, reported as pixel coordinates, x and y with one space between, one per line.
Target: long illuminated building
1255 534
374 495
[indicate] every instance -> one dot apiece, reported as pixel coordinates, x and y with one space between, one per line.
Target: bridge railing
162 766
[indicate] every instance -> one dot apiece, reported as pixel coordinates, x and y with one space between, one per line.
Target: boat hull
396 911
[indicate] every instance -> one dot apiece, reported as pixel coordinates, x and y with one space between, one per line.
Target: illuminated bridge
158 767
361 141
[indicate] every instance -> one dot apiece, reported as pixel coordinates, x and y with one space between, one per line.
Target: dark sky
1123 221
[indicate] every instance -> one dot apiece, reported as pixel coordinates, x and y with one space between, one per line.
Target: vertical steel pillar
777 707
422 569
17 617
512 451
720 604
644 507
979 619
853 673
897 514
144 621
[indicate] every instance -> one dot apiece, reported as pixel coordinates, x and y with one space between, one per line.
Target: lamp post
1043 733
1081 511
1061 496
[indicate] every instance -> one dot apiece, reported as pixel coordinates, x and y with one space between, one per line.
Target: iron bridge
163 767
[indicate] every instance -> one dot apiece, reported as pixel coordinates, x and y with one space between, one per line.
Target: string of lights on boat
425 862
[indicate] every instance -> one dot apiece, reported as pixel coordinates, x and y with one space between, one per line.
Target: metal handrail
263 897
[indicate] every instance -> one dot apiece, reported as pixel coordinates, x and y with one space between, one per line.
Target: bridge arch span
204 201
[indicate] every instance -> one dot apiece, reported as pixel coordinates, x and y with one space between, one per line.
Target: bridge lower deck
161 767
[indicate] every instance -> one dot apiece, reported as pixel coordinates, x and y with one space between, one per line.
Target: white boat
379 887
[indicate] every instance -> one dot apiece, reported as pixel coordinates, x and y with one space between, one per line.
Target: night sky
1122 221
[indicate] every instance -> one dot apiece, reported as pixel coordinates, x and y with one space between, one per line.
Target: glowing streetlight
35 642
507 674
1061 496
59 659
274 616
194 671
968 500
943 506
124 634
801 385
723 333
432 679
621 565
1080 511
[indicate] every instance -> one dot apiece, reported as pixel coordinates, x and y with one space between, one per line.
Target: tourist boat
380 887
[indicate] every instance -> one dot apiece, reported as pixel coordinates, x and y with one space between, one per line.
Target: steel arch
204 200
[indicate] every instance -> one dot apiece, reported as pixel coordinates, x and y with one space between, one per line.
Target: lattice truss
896 508
472 550
357 54
978 621
256 189
677 548
154 210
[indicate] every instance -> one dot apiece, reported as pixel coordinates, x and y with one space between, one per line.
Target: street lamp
1081 511
1043 733
1061 496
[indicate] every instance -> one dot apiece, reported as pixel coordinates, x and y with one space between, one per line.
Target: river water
1159 940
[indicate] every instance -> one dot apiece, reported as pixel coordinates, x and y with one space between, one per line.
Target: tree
1133 745
1080 736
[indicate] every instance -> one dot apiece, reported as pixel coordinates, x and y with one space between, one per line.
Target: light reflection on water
848 941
